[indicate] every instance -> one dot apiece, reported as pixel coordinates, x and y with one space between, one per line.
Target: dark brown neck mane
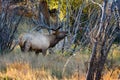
53 40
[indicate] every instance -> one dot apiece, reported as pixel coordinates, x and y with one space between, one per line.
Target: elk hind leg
26 46
37 52
22 48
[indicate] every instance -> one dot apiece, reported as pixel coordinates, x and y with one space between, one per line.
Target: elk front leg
44 52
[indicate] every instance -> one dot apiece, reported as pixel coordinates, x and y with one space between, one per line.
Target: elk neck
53 40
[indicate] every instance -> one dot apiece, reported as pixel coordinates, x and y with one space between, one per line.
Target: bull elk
40 42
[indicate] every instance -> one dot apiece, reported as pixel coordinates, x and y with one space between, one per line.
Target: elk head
58 36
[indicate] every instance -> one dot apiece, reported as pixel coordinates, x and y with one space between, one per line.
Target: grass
27 66
23 71
52 63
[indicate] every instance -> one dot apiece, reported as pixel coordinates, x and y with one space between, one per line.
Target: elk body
40 42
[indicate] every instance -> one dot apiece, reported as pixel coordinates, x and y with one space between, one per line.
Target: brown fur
40 42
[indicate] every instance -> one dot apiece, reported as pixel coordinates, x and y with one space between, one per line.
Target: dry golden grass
22 71
113 74
28 66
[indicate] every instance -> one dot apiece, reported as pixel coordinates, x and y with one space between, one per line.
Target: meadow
28 66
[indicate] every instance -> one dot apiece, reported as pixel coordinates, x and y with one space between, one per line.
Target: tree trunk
92 68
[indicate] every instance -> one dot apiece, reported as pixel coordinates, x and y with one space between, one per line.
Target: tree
102 36
8 26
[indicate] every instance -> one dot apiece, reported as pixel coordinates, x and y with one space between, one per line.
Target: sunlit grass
23 71
113 74
27 66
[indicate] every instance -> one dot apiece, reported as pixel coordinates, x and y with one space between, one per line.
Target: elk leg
36 52
22 48
51 51
27 45
44 52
